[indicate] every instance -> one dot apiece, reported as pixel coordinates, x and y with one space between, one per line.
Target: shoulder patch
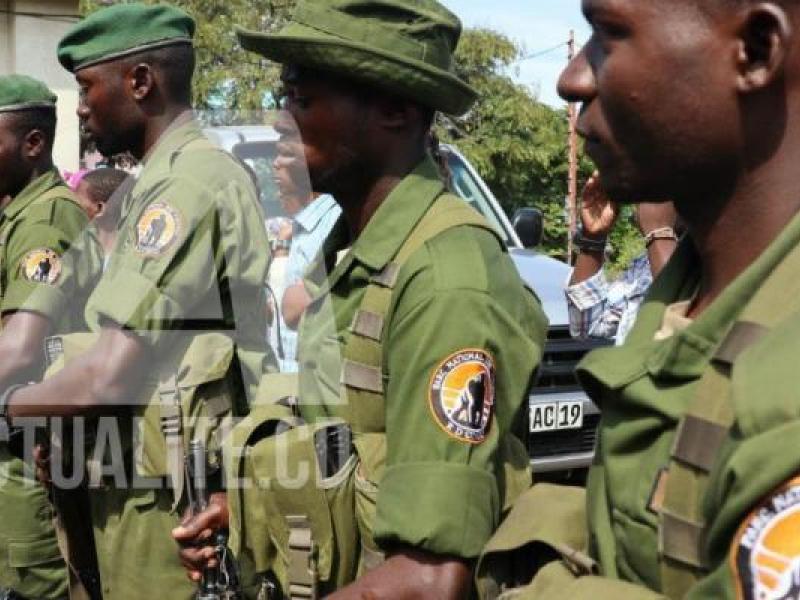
461 395
765 554
42 265
157 229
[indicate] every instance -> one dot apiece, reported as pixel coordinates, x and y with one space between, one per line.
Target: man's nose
577 82
285 123
82 111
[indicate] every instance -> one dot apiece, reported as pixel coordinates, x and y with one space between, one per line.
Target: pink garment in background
73 179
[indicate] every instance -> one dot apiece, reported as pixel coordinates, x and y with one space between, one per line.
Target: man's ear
765 36
34 144
141 81
101 209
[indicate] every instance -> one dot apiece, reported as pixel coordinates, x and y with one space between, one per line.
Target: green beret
403 47
121 30
20 92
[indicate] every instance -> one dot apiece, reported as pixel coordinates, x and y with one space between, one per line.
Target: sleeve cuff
41 298
588 293
444 509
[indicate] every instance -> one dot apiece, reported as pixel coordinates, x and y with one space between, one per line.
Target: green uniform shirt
50 262
458 309
190 258
644 388
192 251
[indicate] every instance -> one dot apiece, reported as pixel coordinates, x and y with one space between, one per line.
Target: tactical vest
680 488
191 397
313 538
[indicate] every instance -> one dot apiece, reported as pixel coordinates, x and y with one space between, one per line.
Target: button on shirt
311 226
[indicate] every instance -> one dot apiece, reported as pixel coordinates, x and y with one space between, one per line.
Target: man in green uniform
179 311
420 340
695 490
44 283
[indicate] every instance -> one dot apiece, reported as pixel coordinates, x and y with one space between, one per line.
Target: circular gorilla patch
42 265
766 551
461 395
157 229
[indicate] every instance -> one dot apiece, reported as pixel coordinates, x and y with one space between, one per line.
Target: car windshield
464 183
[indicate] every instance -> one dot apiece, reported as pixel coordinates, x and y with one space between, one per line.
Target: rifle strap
362 364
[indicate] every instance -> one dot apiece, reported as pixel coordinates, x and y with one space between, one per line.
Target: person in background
73 179
313 217
47 274
97 193
599 308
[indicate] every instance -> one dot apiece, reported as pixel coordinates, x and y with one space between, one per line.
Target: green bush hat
403 46
20 92
122 30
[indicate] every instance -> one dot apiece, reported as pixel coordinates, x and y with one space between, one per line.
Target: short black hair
176 63
104 182
102 185
41 118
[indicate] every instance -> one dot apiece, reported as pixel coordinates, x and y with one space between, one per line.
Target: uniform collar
397 216
386 231
32 191
685 355
181 131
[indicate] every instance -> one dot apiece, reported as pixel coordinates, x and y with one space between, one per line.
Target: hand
41 458
285 231
196 531
598 211
655 215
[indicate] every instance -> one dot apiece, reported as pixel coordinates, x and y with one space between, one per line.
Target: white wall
28 46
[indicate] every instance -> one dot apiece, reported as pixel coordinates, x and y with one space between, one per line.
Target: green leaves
518 144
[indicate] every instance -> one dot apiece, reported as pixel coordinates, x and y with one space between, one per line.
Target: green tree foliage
518 144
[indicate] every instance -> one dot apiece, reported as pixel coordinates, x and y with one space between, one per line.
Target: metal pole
572 183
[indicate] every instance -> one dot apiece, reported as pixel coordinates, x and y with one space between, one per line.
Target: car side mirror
529 225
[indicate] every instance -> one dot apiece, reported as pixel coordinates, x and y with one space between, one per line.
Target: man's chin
106 148
625 190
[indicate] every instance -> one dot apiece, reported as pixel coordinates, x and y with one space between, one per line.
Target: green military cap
122 30
403 47
20 92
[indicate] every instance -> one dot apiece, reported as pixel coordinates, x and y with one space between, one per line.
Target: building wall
29 33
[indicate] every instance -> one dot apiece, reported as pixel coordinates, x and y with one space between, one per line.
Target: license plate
552 416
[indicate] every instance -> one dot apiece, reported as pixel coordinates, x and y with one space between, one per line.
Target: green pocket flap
546 513
27 553
207 358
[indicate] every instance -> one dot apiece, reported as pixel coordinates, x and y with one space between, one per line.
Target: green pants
137 556
30 561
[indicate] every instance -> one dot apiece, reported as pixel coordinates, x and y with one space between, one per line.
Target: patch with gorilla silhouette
765 555
157 229
42 265
461 395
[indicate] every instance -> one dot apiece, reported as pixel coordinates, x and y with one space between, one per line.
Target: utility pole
572 182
